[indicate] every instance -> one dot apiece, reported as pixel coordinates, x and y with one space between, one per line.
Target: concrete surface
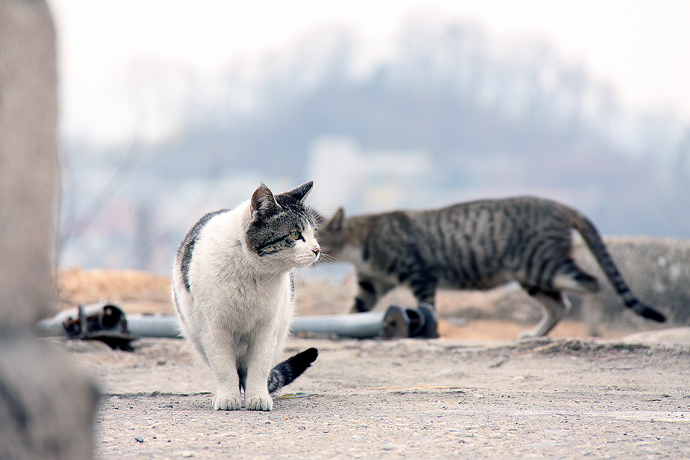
408 399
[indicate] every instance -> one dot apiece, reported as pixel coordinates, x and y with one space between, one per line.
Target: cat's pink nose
316 251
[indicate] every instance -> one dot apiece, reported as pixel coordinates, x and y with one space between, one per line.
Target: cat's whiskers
324 271
278 269
325 258
330 279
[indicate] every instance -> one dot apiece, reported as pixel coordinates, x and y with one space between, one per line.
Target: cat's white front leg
260 355
220 352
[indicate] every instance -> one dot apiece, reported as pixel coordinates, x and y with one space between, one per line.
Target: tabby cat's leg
554 307
369 292
424 289
366 296
592 314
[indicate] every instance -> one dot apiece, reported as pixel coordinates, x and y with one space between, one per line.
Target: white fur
240 305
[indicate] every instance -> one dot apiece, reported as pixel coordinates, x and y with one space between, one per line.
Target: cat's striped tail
596 245
286 372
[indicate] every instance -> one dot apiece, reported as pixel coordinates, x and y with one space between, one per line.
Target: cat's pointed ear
300 193
335 224
263 202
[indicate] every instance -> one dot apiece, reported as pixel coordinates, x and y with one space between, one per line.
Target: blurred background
170 109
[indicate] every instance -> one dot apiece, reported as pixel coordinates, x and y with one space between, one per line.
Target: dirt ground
480 396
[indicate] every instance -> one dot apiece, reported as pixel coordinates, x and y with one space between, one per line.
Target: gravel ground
410 398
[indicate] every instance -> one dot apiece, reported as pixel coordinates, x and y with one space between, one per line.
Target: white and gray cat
233 291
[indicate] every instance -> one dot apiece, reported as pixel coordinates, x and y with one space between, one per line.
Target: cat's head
332 237
283 228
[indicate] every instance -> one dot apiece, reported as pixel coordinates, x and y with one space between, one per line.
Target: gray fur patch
186 248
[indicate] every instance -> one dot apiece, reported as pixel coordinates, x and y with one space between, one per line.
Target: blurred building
365 180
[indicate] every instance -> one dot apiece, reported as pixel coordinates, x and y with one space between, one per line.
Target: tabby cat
233 292
475 245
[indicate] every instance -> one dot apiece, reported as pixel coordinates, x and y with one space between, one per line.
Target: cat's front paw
256 402
226 401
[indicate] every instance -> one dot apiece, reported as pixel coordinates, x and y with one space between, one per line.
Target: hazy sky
641 47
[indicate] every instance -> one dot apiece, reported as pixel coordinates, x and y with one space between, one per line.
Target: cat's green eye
296 235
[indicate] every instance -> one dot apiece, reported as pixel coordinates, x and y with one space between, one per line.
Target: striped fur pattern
233 292
475 245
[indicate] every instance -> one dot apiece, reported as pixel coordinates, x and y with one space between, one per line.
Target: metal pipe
395 322
358 326
102 317
165 326
108 323
83 320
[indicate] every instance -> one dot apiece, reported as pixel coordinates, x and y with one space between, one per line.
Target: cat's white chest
256 301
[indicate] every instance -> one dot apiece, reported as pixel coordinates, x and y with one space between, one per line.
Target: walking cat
233 292
476 245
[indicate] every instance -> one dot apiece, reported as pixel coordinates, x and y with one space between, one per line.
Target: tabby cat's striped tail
596 245
286 372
